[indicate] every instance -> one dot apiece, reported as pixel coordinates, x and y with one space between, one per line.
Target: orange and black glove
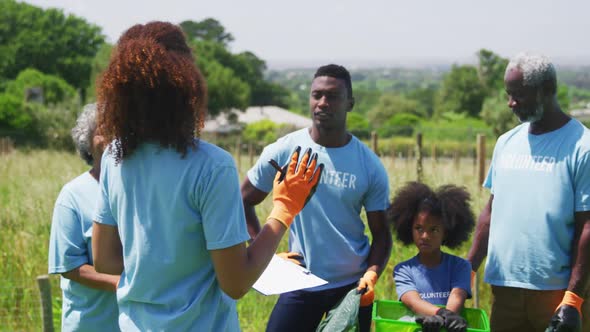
367 284
293 257
293 186
568 315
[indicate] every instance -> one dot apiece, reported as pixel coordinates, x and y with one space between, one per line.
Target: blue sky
366 32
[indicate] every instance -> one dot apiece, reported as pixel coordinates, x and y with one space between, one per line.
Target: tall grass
30 182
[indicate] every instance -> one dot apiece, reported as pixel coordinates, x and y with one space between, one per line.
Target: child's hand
431 323
367 282
453 322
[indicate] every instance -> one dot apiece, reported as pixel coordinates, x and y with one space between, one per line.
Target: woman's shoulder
211 152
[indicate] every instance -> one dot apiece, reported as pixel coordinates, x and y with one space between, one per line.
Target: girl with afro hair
430 219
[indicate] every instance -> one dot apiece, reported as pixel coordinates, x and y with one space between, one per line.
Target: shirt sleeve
461 275
67 247
378 193
403 280
103 213
220 203
582 183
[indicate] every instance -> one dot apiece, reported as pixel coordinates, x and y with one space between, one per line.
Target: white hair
536 69
83 132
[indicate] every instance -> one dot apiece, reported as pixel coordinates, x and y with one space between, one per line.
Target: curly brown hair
151 91
449 202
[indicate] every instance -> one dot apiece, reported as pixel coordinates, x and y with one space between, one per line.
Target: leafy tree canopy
461 92
208 29
48 41
390 105
491 70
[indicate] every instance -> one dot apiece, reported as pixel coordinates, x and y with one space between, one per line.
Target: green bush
358 125
401 124
11 112
55 89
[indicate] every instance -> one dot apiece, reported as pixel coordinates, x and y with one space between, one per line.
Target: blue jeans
302 311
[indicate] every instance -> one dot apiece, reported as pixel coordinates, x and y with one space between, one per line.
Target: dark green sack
344 316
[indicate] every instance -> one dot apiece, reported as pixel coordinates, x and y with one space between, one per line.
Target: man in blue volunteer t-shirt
535 228
328 236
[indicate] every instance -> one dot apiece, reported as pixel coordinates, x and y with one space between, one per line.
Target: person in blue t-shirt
328 236
430 219
169 216
89 302
535 227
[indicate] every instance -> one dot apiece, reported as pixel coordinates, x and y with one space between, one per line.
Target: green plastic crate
386 315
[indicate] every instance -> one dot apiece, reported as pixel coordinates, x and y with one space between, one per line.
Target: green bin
387 314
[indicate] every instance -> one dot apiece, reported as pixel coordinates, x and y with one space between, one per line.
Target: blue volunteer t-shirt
538 182
70 246
170 212
329 231
433 284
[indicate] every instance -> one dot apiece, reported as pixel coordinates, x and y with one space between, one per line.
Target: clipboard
281 276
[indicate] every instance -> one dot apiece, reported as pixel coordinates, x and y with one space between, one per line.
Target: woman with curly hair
169 216
430 219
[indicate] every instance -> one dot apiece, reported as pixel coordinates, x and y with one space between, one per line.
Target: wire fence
29 305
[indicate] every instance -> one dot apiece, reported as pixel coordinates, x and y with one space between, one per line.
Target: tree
390 105
496 113
364 99
225 90
425 97
243 69
491 70
99 64
461 92
251 69
48 41
207 29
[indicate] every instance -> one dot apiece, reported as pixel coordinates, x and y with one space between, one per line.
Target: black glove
453 322
430 323
565 319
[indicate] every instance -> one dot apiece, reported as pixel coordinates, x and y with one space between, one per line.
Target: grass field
31 180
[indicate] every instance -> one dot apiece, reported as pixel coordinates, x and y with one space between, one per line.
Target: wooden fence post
251 153
456 159
239 154
419 169
481 159
433 153
374 145
481 165
45 296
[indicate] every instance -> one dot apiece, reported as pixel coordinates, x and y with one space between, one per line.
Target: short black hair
336 71
449 202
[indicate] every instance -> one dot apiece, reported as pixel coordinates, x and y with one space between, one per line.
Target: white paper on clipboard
282 276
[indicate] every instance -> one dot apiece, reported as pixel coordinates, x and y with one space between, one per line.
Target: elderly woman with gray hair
89 300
